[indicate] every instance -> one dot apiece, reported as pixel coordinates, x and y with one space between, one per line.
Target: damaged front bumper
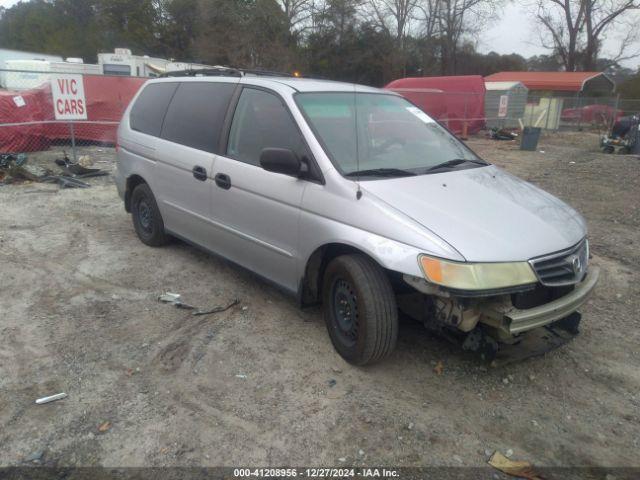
509 320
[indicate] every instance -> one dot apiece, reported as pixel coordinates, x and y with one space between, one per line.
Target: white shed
504 103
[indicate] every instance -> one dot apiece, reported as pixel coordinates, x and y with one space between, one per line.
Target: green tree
242 33
178 28
129 23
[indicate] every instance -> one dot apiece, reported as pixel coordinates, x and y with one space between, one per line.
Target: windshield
389 135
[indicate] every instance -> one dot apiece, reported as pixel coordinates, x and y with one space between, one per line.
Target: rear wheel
146 217
359 309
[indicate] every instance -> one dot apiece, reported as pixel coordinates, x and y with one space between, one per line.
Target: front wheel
359 309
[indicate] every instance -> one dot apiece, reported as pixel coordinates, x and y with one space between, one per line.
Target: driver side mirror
281 160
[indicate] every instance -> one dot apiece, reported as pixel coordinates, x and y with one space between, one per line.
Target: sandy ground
252 386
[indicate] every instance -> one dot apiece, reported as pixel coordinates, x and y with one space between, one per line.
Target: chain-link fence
29 123
28 118
68 119
462 112
469 113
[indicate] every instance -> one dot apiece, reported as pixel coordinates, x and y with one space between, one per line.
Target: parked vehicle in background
592 114
10 54
352 197
28 74
123 62
623 137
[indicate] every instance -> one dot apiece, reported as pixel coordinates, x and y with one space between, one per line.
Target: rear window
196 114
150 107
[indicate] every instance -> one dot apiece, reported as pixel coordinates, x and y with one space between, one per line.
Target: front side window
373 134
262 121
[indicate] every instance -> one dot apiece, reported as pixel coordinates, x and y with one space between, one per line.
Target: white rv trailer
27 74
123 63
9 54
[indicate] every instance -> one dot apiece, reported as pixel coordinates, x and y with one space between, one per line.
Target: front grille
563 268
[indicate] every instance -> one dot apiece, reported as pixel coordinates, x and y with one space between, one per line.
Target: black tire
359 309
146 217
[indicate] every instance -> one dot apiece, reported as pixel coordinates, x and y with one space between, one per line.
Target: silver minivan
353 198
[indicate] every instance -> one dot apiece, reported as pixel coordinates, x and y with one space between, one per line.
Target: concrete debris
85 161
35 457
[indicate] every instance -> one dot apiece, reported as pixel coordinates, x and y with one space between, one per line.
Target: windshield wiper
382 172
454 163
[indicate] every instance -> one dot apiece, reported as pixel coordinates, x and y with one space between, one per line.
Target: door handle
199 173
223 181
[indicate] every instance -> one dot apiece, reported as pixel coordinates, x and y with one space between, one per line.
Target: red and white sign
69 102
504 105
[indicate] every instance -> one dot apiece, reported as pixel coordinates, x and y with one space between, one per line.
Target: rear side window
196 114
262 121
150 107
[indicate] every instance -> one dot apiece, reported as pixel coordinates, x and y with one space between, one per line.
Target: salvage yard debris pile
16 169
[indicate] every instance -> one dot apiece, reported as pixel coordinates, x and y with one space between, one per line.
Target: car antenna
355 111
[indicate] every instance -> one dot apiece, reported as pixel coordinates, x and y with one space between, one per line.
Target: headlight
476 276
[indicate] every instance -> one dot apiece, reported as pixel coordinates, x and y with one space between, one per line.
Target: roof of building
452 84
502 85
563 81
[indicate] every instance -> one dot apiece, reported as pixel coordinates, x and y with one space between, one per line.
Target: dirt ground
255 385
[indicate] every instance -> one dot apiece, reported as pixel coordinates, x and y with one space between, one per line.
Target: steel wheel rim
345 311
145 216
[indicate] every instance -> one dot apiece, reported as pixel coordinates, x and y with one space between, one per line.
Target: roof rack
225 72
205 72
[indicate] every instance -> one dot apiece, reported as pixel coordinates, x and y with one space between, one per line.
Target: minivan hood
486 214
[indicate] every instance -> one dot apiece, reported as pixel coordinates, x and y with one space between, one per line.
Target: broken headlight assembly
475 276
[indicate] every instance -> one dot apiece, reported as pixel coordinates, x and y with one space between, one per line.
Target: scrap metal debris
502 134
217 309
78 170
14 168
64 182
52 398
176 300
514 468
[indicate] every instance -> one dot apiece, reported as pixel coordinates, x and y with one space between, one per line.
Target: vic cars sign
69 102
